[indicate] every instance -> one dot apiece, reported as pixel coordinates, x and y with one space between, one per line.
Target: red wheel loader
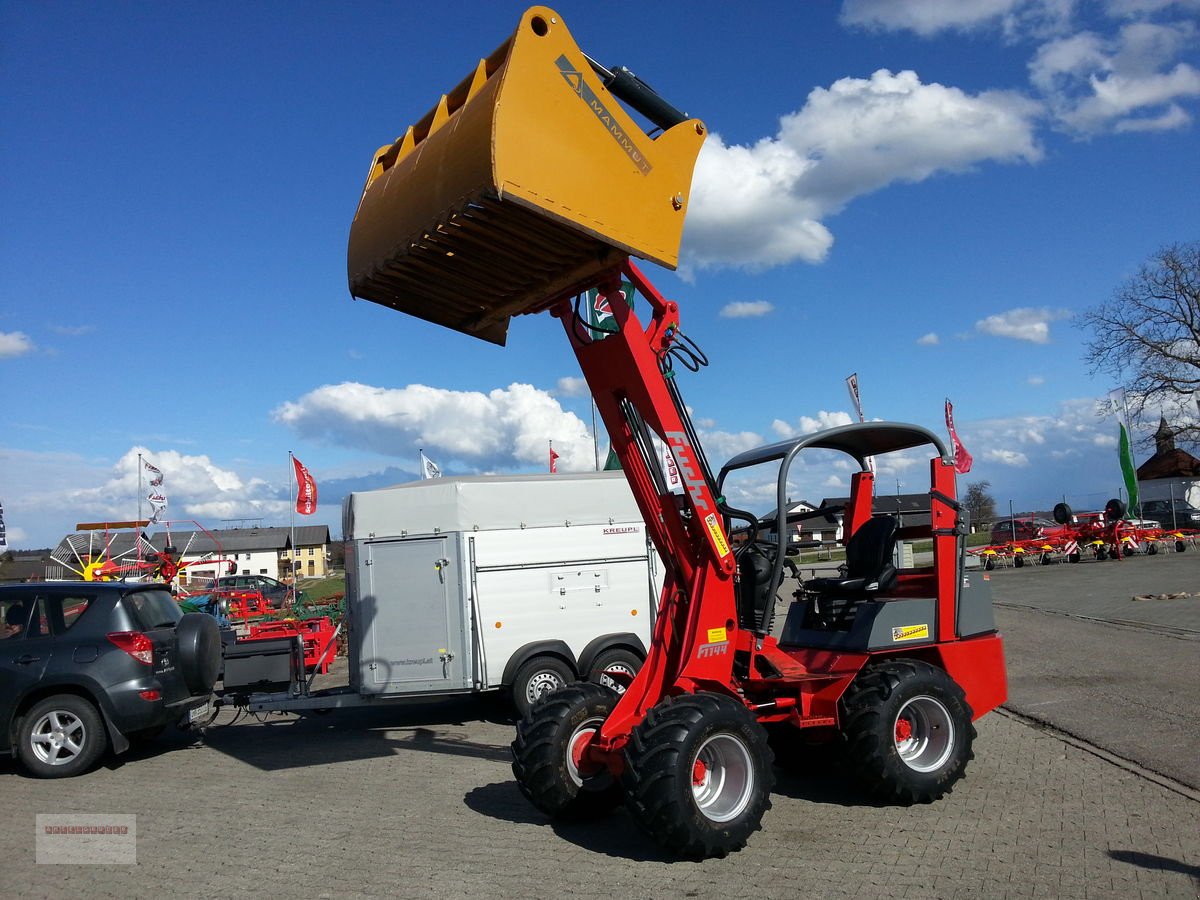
532 182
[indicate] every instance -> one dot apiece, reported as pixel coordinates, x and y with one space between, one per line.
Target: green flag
599 313
1127 469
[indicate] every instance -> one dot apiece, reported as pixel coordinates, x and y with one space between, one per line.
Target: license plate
200 712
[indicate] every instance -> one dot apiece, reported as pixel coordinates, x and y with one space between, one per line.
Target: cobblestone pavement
419 801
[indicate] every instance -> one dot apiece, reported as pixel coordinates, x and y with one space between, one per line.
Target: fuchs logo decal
574 78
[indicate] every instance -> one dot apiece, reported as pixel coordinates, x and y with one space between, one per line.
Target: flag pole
139 518
292 505
595 446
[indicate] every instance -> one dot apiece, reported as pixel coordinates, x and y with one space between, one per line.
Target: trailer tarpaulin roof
489 502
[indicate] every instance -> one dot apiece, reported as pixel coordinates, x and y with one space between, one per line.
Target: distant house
1170 473
20 566
909 509
248 551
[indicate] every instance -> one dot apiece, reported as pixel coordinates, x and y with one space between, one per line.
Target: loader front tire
908 731
547 754
698 775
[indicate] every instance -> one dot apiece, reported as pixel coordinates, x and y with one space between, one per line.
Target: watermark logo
85 839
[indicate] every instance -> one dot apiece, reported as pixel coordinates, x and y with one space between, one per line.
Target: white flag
429 469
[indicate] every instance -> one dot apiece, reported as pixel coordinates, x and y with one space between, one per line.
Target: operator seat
869 568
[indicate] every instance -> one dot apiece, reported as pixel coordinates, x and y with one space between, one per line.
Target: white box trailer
516 582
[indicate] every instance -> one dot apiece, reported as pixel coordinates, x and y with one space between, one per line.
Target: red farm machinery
529 184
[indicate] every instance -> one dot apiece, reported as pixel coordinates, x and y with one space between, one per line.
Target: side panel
568 584
408 617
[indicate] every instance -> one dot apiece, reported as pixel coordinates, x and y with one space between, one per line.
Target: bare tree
1147 336
979 503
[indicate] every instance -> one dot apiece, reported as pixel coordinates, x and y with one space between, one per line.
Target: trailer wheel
538 677
1152 549
1073 557
989 564
1101 554
1018 561
547 754
908 731
1180 546
698 774
616 659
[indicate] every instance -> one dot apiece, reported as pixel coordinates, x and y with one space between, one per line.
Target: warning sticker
910 633
716 635
718 536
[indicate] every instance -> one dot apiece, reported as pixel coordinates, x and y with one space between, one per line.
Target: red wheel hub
904 730
699 773
579 747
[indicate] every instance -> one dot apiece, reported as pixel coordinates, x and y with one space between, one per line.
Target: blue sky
921 192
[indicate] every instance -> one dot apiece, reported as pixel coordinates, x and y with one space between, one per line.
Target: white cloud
14 343
570 386
1128 82
929 17
746 309
1006 457
1024 324
73 330
929 340
760 206
722 445
1035 380
502 429
809 424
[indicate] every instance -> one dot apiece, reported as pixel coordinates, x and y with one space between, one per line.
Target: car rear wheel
61 736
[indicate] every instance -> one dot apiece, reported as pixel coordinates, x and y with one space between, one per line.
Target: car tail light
150 695
135 644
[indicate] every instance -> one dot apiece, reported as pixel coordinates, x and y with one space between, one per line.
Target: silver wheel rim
584 731
58 737
541 684
607 682
924 734
722 777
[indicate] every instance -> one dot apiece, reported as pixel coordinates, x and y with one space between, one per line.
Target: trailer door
411 618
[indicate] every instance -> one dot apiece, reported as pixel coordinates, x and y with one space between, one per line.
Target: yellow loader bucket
521 186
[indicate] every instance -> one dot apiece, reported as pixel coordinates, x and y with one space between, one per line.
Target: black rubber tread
1062 513
869 709
1114 510
198 638
617 655
1018 562
658 774
95 737
540 754
528 670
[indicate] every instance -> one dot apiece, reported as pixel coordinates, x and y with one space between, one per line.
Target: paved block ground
419 800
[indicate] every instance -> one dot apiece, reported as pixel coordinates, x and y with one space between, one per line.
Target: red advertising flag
962 459
306 489
553 462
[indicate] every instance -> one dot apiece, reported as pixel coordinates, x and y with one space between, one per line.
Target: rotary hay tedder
525 186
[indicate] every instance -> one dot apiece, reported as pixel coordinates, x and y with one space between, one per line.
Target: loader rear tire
698 775
547 758
908 731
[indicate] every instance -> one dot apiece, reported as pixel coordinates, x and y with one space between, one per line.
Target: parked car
85 666
1168 514
274 592
1023 529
